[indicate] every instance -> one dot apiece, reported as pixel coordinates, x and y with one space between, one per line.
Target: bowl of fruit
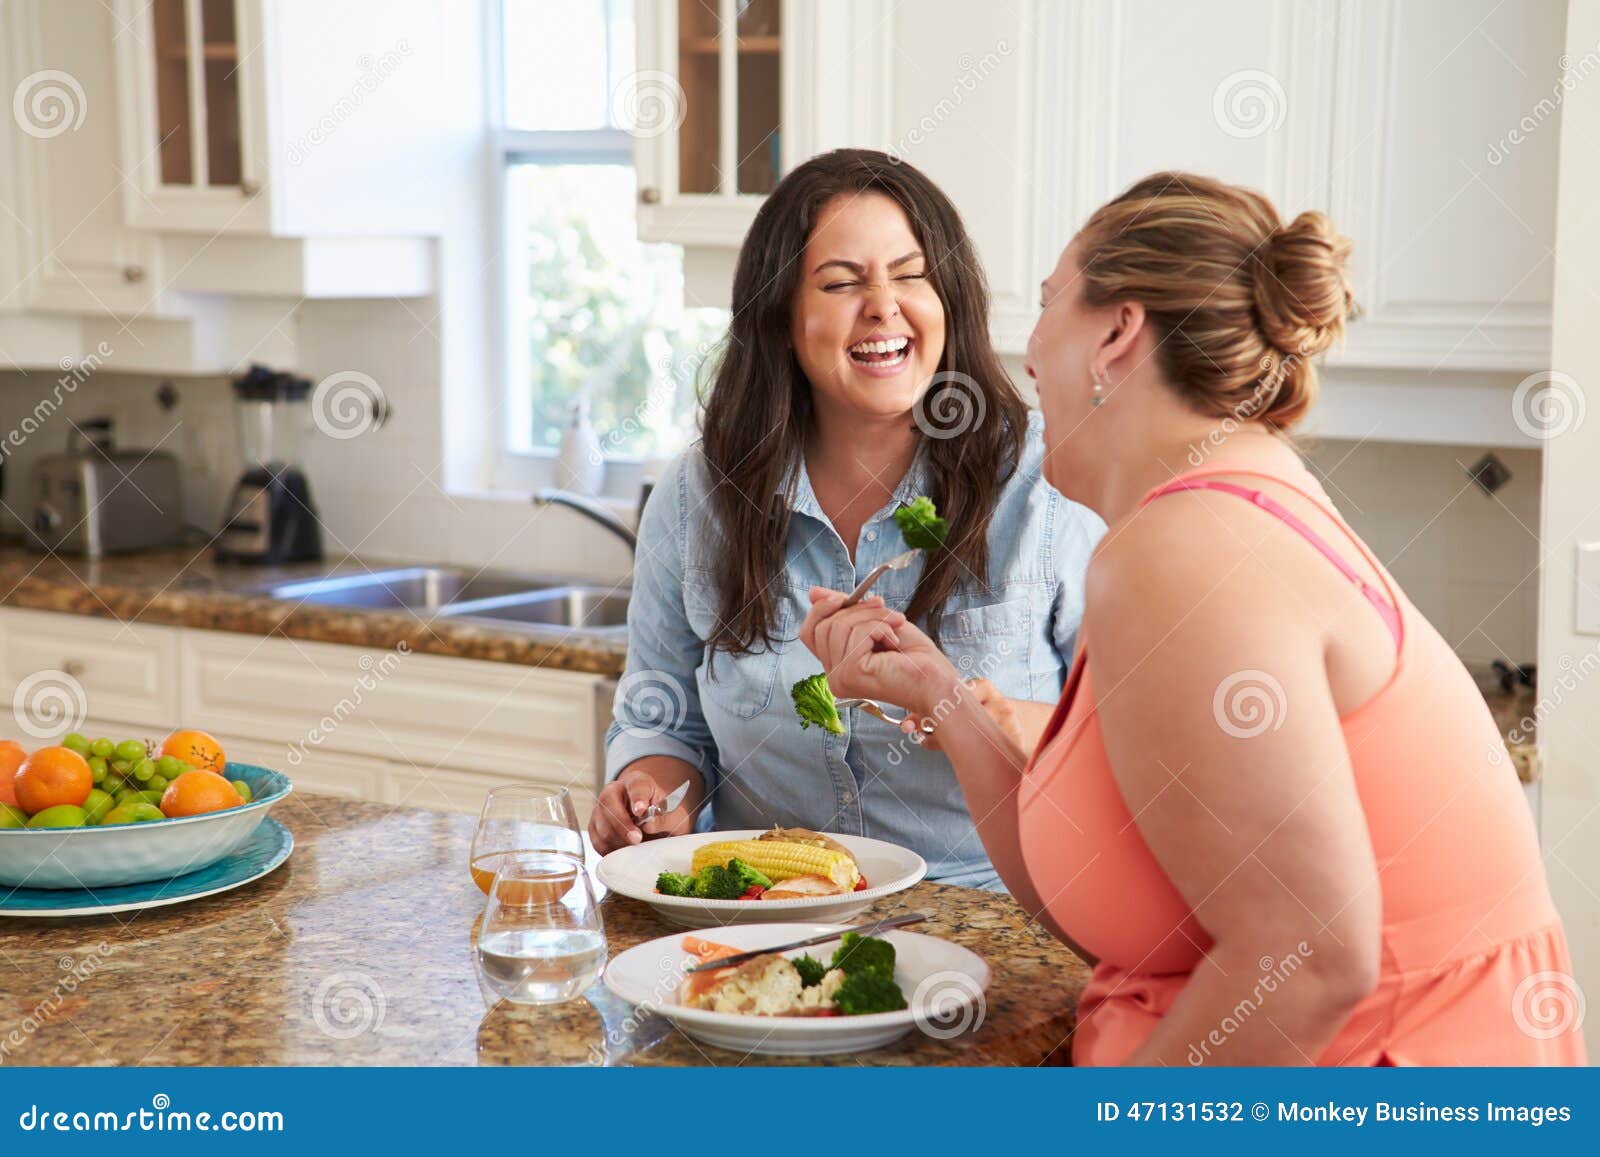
99 813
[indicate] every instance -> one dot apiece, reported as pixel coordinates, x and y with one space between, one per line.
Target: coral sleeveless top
1475 969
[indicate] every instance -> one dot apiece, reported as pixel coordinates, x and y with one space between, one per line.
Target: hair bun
1302 292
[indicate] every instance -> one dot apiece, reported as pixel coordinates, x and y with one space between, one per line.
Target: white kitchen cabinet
295 118
387 726
110 670
750 90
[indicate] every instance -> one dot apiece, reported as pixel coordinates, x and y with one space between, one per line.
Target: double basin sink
507 600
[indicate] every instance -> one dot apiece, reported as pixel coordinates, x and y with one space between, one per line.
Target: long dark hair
759 405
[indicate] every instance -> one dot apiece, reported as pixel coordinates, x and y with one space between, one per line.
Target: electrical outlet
1588 576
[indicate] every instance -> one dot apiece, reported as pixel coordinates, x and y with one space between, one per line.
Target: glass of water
521 819
543 940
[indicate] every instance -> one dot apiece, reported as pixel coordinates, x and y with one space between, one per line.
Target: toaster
98 501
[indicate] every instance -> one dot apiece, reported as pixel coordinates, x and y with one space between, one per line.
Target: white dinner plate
632 871
943 983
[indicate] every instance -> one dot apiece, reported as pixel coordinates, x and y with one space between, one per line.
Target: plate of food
857 993
751 876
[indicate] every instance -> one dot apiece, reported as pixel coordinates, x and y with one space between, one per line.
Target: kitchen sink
419 588
585 607
507 599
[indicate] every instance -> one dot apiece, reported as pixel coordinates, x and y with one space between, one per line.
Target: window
590 314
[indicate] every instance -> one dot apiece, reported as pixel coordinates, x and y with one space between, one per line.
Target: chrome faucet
592 510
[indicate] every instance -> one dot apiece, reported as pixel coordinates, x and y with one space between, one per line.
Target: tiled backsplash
1467 559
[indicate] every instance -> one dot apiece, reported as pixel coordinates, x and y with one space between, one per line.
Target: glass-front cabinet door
187 135
715 113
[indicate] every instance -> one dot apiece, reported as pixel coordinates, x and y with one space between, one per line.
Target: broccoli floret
857 953
813 702
811 969
920 524
748 876
717 882
864 992
675 884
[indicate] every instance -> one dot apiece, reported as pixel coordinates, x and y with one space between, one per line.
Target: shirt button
872 536
846 797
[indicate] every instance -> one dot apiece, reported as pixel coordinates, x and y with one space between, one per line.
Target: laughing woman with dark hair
857 376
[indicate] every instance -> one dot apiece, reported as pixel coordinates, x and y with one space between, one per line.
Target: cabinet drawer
126 671
447 789
309 698
328 773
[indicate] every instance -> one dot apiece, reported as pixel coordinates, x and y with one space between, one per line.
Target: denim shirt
734 719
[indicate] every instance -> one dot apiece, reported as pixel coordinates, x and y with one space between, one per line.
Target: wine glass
523 818
543 940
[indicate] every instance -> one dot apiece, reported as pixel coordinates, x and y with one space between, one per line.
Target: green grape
171 766
121 766
151 797
103 748
157 782
129 795
76 742
132 750
144 769
243 789
97 771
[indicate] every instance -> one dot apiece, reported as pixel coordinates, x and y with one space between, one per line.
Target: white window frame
533 469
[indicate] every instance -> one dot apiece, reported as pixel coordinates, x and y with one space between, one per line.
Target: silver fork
871 707
898 562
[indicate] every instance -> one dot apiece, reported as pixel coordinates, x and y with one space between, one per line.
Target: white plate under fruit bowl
632 871
943 983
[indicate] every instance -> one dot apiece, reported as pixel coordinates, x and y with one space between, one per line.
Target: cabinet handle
73 667
133 274
248 188
650 195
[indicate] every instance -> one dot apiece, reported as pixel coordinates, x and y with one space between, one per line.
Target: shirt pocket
740 685
990 641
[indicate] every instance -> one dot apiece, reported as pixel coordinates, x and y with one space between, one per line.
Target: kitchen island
358 951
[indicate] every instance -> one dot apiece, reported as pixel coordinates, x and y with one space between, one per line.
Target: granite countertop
186 587
358 951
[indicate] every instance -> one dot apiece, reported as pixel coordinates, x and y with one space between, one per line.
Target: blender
271 517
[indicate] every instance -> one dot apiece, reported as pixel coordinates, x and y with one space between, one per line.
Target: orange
11 757
197 749
50 777
196 792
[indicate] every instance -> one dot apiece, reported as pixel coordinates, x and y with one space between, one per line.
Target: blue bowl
136 853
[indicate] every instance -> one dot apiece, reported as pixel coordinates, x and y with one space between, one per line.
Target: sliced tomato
861 884
753 892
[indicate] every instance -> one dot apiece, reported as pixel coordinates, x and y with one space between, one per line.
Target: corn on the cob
780 860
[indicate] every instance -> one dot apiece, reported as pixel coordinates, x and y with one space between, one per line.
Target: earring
1099 398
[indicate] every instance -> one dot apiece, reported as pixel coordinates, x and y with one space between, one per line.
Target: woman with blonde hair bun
1271 807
